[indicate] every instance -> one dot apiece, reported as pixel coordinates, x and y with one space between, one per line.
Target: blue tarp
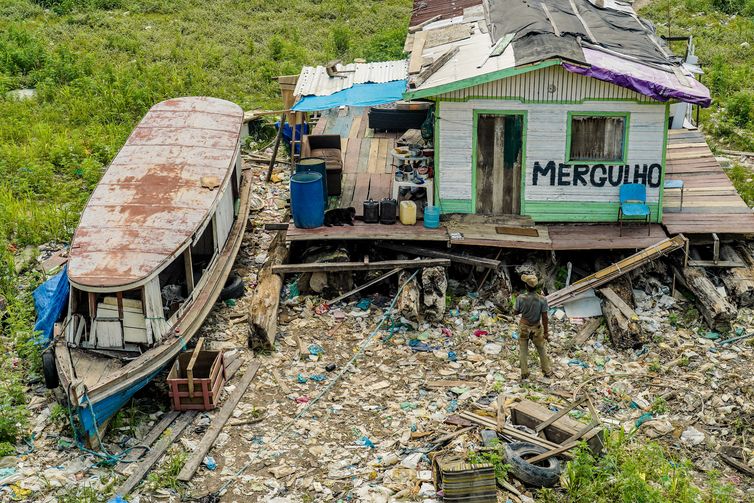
358 95
49 300
301 129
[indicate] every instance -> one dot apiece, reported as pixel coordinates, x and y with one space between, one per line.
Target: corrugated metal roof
314 81
427 9
150 200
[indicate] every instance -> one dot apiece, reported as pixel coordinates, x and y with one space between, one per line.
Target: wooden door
498 163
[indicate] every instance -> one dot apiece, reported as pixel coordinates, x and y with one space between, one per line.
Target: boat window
202 252
173 287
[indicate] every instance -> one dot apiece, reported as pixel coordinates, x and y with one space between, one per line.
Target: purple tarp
643 79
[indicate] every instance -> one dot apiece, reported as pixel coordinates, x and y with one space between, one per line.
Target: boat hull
96 405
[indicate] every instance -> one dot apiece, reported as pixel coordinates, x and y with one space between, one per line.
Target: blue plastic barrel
432 217
307 205
314 165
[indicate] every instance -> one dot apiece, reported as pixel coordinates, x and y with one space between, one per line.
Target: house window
597 138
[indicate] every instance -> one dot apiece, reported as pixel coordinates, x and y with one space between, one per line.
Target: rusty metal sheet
150 202
446 9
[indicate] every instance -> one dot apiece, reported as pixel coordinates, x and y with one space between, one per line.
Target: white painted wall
545 141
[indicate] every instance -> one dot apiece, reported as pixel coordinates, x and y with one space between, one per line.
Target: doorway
499 157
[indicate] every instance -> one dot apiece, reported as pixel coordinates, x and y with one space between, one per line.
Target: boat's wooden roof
150 200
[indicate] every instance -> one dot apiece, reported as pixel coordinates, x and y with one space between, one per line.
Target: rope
362 348
107 459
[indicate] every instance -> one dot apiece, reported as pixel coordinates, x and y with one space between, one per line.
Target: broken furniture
558 427
675 184
196 379
327 147
633 203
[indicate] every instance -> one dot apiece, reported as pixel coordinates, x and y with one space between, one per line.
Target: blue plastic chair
633 203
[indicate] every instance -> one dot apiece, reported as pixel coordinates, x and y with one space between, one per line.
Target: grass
494 456
97 66
166 476
723 32
630 471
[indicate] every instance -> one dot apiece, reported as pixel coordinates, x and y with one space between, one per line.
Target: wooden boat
152 252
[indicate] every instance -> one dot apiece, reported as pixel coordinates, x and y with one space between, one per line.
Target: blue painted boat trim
106 408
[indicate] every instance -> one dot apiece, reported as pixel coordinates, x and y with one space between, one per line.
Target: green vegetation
743 180
723 32
494 456
630 471
97 66
166 476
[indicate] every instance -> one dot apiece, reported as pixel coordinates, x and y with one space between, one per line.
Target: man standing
532 325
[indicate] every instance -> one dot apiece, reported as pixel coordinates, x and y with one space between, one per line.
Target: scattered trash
365 442
330 367
210 463
692 436
315 350
575 362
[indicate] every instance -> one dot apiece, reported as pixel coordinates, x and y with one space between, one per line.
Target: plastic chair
633 203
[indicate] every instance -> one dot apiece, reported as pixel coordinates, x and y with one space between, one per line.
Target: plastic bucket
432 217
314 165
307 204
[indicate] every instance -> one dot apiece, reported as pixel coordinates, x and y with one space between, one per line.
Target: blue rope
106 458
387 315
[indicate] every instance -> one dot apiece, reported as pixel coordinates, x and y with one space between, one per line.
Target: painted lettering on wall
597 175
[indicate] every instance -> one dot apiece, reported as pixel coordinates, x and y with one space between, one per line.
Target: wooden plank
379 186
218 421
150 438
382 155
586 332
417 53
358 266
363 164
351 162
232 368
418 27
353 133
374 152
346 194
190 366
624 308
459 258
360 193
518 231
156 453
434 66
553 452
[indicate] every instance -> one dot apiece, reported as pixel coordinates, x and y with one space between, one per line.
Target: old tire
543 474
50 369
233 289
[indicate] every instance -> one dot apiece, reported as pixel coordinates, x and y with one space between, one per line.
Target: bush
341 40
740 107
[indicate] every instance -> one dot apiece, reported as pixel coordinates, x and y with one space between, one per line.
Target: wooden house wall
583 198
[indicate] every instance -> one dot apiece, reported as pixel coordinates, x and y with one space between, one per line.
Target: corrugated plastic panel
314 81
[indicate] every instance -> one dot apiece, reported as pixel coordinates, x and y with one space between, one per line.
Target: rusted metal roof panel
150 201
314 81
427 9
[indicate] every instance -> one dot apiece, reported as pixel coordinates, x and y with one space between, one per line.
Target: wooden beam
275 148
624 308
156 453
586 332
148 440
552 452
453 257
190 366
417 53
217 424
434 66
357 266
189 269
418 27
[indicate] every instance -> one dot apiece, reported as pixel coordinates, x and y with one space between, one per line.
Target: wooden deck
710 202
362 232
560 237
367 163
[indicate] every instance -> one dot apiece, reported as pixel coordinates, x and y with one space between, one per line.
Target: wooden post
263 308
189 268
190 366
278 136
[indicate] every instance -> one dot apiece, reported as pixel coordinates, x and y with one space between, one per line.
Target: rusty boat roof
150 201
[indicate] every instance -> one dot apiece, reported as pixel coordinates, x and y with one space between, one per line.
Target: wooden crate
196 379
531 414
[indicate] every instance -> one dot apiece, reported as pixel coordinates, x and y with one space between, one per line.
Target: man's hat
530 280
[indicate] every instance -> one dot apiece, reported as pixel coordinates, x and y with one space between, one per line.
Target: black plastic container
388 211
371 212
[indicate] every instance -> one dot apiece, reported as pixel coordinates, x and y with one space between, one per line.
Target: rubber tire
50 369
529 474
233 289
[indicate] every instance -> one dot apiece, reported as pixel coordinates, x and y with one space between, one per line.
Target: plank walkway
710 202
367 163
